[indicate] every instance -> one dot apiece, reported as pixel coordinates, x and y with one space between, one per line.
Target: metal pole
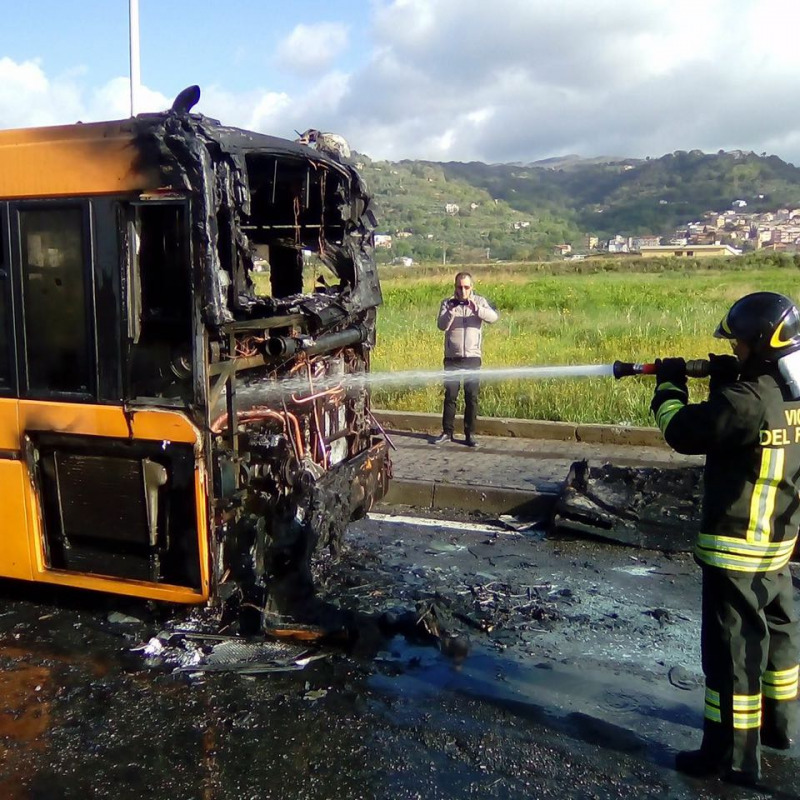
133 29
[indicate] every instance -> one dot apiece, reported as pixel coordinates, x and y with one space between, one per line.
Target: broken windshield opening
296 224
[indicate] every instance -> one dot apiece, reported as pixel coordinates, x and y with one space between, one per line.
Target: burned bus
157 295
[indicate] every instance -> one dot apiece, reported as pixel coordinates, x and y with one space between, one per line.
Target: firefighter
749 430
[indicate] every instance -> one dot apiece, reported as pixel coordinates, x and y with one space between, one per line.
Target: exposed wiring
259 413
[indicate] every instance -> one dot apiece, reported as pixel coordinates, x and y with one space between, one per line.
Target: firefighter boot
702 763
713 757
775 740
708 763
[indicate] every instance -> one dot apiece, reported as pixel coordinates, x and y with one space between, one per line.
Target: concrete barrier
419 422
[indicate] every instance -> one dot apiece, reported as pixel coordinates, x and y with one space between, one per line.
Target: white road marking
636 570
426 522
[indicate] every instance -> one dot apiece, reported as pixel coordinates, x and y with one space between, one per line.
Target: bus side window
54 299
160 304
5 336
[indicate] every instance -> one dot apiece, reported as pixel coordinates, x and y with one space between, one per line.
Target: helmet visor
723 330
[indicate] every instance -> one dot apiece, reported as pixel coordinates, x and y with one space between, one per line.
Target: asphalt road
473 662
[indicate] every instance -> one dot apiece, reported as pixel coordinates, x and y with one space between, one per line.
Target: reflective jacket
462 326
750 432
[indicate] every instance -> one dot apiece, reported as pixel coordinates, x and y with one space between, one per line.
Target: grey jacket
462 326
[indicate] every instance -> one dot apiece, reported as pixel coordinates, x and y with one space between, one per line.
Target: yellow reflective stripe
745 720
735 546
741 563
712 711
746 702
666 411
762 502
782 676
781 684
746 711
740 556
781 692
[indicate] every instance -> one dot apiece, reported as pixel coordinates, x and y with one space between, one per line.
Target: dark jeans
451 389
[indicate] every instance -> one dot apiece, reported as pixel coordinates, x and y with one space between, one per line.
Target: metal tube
136 76
289 346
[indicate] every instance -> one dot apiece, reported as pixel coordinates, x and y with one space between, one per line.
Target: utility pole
444 255
133 33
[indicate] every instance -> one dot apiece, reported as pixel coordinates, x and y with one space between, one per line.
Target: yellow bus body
72 160
24 555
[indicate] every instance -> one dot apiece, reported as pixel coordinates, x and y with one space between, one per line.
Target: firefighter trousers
750 661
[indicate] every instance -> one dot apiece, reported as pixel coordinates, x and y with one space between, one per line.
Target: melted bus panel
155 294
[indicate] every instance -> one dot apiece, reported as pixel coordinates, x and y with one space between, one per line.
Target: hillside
521 211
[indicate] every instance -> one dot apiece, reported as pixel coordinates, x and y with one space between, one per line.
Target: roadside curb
420 422
438 496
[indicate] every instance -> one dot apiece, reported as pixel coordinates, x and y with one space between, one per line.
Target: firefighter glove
671 370
722 370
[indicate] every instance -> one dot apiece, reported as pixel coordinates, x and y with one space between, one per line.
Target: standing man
749 430
461 318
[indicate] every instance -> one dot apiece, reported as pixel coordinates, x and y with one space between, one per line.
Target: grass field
564 319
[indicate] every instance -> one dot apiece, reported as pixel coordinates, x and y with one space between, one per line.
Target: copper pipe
327 392
320 441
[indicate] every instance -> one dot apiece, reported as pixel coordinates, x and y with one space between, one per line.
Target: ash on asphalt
532 668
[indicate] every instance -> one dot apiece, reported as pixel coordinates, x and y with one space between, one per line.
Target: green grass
564 319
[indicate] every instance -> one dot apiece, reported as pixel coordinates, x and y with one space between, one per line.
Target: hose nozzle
696 368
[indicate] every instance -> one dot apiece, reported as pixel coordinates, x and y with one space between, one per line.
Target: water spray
266 391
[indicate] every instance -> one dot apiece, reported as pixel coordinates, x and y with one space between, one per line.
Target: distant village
729 233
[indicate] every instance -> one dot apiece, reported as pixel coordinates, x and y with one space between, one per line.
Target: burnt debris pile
648 507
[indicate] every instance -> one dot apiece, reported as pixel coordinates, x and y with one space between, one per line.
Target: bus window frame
8 335
132 300
90 310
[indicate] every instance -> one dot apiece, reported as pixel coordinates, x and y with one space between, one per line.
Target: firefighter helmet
767 322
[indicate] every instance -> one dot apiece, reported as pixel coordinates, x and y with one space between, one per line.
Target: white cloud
622 78
510 80
311 49
113 100
28 97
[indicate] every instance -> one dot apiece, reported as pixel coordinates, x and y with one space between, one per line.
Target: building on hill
638 242
619 244
690 251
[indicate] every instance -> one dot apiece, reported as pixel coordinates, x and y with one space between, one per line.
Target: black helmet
767 322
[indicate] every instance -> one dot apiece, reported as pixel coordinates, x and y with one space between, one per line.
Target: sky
443 80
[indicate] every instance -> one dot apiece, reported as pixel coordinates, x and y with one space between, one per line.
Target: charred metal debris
290 469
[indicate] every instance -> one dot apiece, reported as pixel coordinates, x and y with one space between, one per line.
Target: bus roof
121 156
